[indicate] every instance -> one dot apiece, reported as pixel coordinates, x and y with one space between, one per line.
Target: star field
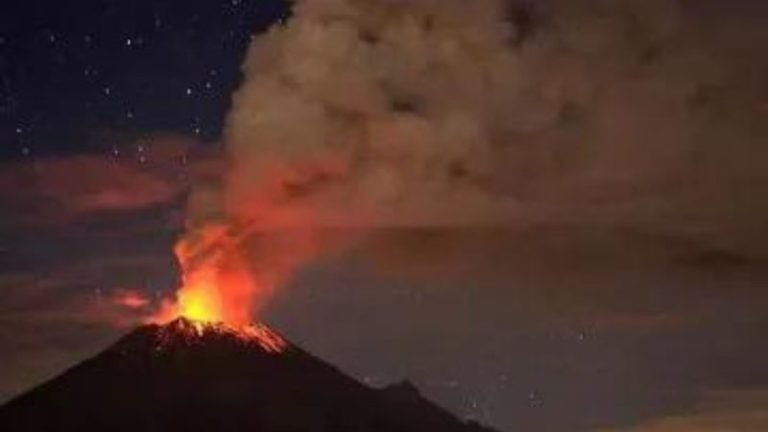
70 69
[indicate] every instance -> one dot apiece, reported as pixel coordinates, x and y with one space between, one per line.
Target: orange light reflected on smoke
227 278
130 299
213 276
231 269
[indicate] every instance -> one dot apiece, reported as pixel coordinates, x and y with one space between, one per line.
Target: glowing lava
217 284
190 332
200 299
216 297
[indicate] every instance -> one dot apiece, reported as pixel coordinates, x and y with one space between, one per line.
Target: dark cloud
71 267
150 172
742 410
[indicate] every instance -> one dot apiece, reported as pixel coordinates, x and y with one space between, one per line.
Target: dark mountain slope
186 376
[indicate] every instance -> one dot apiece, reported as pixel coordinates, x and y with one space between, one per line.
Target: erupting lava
222 284
217 285
202 308
200 299
189 332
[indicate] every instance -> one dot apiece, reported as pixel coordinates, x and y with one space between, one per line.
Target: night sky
646 306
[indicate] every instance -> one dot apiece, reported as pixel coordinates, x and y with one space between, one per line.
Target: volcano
194 376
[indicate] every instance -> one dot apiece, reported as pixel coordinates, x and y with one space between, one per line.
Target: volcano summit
194 376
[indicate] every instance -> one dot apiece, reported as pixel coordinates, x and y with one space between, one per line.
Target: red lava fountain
219 290
217 284
206 273
229 273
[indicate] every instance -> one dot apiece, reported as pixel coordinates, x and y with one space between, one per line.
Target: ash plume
369 114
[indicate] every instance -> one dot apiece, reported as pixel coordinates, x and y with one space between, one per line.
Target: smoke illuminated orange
229 274
216 283
130 299
230 268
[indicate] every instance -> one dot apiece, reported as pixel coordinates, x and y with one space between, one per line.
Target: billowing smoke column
442 113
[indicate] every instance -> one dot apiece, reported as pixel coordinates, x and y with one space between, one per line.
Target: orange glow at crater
231 267
200 300
217 284
229 274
